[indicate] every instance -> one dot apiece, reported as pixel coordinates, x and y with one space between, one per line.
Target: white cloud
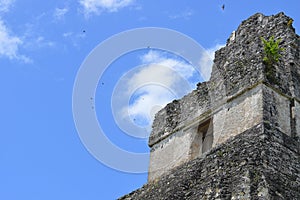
74 38
9 45
59 13
42 42
67 34
151 99
97 6
159 80
5 5
186 14
157 61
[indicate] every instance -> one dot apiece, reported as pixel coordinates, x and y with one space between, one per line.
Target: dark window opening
203 139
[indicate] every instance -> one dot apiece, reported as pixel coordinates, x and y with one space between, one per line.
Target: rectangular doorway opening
203 139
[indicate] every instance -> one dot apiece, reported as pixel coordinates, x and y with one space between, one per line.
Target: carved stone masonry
237 135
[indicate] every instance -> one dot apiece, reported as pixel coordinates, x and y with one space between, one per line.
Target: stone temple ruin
237 135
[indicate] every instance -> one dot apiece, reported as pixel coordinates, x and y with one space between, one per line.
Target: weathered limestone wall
247 115
296 117
241 93
169 153
176 114
239 114
256 105
180 147
232 118
239 65
277 110
260 163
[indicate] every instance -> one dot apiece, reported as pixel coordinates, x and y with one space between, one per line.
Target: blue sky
43 45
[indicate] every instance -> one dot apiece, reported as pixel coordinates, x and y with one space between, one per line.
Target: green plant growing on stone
271 51
290 22
220 153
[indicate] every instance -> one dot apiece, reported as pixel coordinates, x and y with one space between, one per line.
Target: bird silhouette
223 6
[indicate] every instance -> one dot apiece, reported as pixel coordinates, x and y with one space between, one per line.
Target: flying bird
223 6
